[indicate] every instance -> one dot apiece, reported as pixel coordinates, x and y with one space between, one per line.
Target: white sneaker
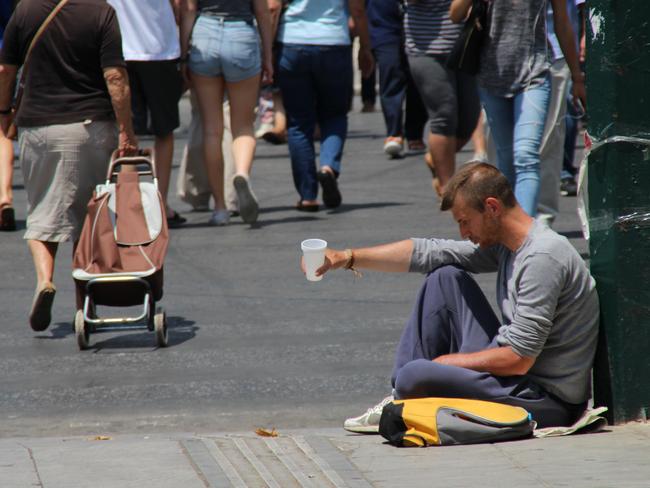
393 146
248 206
368 423
219 217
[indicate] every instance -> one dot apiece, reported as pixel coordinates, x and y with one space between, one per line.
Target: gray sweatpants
452 315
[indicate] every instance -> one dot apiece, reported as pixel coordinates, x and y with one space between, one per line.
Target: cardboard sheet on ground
591 421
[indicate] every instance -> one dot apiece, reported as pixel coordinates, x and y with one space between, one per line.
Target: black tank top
230 9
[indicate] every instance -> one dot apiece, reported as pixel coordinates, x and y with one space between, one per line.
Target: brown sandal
311 207
7 218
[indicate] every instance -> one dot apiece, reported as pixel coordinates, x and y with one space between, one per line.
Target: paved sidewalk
615 458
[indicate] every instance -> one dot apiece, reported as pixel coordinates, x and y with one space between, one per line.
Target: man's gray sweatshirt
547 298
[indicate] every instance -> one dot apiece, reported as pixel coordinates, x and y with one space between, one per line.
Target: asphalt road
252 343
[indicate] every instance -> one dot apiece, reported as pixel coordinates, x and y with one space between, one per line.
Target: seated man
539 356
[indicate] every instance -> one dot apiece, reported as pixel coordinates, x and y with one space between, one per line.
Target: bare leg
209 93
164 152
43 254
6 171
242 96
442 150
243 99
478 139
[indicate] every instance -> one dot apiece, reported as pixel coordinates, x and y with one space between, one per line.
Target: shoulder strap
37 36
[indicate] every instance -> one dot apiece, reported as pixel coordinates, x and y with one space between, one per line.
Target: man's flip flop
41 313
301 207
331 193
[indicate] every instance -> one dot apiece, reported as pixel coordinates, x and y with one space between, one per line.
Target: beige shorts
61 166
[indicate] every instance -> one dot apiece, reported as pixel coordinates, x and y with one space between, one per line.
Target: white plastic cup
313 252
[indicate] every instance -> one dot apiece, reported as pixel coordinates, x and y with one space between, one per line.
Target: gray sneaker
219 217
248 206
368 423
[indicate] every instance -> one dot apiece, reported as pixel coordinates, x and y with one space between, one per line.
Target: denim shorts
230 49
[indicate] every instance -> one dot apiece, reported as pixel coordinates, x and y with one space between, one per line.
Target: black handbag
465 55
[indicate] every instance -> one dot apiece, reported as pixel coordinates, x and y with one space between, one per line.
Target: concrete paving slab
614 458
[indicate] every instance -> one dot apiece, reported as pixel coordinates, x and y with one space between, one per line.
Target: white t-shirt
149 31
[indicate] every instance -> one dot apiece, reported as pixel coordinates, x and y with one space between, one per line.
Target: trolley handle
143 157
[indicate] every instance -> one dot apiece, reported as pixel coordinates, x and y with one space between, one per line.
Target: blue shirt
318 22
384 22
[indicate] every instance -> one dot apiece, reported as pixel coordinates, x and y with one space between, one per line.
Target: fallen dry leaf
266 432
101 438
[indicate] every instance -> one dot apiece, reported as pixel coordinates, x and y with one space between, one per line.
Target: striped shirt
428 30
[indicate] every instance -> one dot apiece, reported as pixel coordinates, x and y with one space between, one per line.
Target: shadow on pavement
180 330
257 225
353 207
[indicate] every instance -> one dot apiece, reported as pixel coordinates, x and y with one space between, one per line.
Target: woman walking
315 77
515 84
220 49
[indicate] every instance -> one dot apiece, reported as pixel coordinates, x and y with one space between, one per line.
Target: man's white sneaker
368 423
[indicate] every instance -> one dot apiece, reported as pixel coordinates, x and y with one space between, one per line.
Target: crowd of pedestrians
130 62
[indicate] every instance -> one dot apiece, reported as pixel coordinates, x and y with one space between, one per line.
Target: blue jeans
316 86
451 315
396 84
517 126
230 49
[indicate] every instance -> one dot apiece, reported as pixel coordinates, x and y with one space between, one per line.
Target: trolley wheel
150 320
160 326
92 314
81 330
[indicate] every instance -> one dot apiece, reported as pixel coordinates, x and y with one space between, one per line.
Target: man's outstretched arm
393 257
499 361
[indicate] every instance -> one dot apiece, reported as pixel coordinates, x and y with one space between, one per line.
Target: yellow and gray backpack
422 422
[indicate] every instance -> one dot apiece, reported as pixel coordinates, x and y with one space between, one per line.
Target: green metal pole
618 87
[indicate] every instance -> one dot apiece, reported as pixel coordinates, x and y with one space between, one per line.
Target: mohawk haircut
476 181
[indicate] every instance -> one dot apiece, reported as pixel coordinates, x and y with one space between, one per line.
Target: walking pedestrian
75 89
7 213
315 77
450 97
221 53
515 84
151 50
558 120
404 113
